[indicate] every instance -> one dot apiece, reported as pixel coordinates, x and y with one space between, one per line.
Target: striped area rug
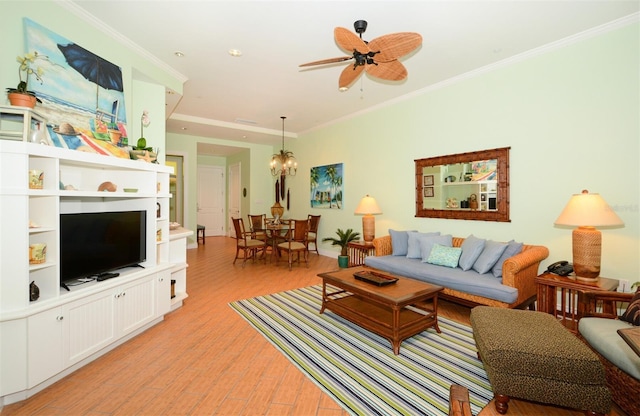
358 368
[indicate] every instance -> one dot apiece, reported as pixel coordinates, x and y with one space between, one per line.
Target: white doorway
234 194
211 196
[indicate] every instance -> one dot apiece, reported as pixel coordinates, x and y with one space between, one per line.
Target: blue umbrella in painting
94 68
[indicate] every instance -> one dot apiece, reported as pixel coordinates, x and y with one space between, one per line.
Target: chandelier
283 163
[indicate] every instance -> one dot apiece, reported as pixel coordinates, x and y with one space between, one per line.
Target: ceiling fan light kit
379 57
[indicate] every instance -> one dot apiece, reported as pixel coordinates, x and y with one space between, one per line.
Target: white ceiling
242 98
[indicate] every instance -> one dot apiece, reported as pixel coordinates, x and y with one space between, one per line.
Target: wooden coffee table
396 311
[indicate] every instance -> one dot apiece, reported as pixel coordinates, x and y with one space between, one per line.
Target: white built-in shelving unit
43 340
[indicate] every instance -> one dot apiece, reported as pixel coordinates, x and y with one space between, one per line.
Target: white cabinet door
89 326
163 292
45 345
136 304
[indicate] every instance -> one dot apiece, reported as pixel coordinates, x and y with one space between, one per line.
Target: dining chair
314 221
249 246
296 242
257 225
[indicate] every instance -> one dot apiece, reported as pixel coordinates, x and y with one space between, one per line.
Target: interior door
211 196
234 194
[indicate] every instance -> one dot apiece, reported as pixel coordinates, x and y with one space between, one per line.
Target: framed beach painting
327 186
81 93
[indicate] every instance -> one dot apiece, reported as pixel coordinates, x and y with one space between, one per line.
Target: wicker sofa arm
605 304
382 245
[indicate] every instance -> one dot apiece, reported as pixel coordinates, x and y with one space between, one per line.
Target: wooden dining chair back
257 224
312 238
250 247
296 242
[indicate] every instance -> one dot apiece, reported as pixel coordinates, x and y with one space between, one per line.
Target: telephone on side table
561 268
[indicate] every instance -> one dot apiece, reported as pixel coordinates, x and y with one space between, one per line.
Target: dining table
276 233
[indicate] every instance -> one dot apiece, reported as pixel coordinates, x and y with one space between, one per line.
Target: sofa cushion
427 243
399 242
470 282
512 249
489 256
602 336
472 247
444 256
632 314
413 243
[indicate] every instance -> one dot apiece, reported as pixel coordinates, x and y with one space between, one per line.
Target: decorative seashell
107 186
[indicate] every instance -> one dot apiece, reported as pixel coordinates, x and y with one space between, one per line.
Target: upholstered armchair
598 329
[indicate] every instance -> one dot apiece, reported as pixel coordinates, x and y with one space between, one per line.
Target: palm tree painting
326 186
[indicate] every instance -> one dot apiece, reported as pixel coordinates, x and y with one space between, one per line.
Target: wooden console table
568 291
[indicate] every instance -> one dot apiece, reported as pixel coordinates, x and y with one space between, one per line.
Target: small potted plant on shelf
343 240
140 151
21 96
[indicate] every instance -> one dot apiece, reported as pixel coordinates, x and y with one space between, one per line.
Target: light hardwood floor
204 359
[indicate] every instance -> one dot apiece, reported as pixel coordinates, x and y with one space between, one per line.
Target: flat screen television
99 242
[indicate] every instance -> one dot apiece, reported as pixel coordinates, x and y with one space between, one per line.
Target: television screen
94 243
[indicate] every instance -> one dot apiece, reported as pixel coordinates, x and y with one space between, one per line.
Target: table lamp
587 211
368 207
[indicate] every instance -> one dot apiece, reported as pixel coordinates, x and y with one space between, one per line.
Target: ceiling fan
378 58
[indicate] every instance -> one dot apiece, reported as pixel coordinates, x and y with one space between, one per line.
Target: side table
358 250
561 296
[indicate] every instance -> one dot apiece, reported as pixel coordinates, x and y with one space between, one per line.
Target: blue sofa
506 280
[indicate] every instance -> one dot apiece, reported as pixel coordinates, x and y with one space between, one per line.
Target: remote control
105 276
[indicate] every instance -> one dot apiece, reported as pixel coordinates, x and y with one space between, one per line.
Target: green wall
570 116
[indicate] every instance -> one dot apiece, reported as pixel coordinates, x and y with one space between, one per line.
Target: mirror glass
467 186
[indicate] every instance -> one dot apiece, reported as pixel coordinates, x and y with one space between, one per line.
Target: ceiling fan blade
349 74
395 45
327 61
349 41
391 71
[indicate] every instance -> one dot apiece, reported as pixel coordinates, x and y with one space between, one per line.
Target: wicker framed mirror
464 186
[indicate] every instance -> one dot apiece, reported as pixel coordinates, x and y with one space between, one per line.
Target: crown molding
532 53
128 43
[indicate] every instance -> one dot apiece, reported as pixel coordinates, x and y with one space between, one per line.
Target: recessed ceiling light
179 54
235 52
184 128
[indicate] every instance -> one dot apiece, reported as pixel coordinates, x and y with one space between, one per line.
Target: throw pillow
632 314
413 248
399 242
444 256
472 247
512 249
427 243
489 256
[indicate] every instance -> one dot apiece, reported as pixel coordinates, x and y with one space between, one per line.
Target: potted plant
343 240
21 96
140 150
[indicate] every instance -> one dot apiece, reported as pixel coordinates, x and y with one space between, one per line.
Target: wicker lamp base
368 228
587 250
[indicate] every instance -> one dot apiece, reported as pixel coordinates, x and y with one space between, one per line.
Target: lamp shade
368 206
587 209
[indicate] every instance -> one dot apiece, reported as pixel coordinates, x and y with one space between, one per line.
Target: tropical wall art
81 94
326 186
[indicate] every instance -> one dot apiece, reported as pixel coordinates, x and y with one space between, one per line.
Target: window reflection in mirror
472 186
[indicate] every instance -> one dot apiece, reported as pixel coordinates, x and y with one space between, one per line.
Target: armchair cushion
602 336
632 314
